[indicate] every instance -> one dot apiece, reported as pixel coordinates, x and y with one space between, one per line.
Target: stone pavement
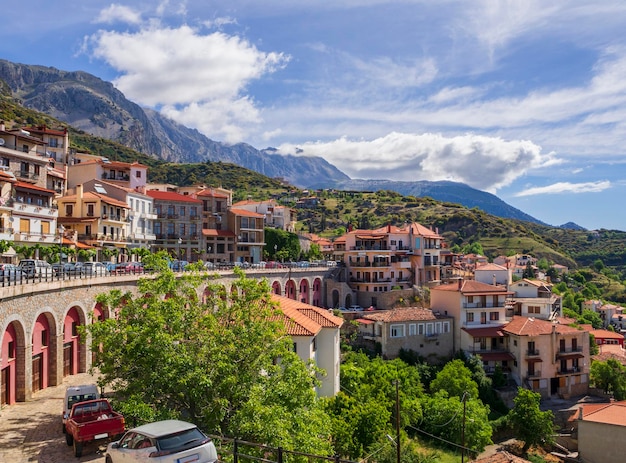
31 431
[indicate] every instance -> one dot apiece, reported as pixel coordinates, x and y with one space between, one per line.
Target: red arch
304 290
41 354
9 366
71 343
290 289
276 288
317 292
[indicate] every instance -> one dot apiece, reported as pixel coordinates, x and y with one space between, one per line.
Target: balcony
532 353
533 374
568 371
28 176
29 208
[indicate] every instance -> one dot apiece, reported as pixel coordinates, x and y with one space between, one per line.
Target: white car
172 441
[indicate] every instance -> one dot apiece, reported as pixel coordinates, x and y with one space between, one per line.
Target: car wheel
64 431
78 449
69 439
108 459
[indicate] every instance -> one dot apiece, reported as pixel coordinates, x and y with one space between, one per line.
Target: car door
137 447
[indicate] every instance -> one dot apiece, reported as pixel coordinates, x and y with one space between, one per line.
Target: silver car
163 441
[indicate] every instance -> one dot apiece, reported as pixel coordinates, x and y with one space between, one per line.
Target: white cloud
118 13
486 163
567 187
198 80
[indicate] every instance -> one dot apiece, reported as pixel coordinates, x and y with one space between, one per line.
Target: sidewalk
31 431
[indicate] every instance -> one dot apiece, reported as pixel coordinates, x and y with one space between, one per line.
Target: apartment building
550 358
130 175
28 212
534 298
97 220
178 226
276 215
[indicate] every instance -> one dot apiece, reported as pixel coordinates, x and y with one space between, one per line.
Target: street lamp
180 241
61 232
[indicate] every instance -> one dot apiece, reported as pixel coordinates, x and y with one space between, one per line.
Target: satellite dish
1 141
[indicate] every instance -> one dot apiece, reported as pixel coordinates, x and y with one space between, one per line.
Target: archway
317 292
304 290
43 357
276 288
290 289
12 365
335 299
71 343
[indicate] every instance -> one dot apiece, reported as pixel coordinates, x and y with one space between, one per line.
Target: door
37 372
5 380
67 359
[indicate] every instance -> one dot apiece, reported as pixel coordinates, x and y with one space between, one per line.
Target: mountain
445 191
96 107
90 104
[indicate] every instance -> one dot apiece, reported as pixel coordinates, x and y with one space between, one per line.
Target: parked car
69 268
178 265
210 266
90 421
129 267
355 308
273 264
11 272
35 268
163 441
77 394
94 268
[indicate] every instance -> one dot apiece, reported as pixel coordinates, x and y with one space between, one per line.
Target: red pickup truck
92 420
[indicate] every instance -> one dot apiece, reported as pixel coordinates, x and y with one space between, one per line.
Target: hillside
458 224
96 107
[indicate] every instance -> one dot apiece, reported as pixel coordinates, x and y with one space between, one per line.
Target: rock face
90 104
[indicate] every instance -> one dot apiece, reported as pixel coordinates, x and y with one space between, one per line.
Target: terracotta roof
245 213
7 176
28 186
92 195
610 351
402 315
213 232
211 193
501 457
171 196
529 326
485 332
605 334
473 286
491 267
611 413
303 319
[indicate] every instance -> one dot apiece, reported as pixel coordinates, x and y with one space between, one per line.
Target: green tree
211 360
529 271
533 426
456 379
610 376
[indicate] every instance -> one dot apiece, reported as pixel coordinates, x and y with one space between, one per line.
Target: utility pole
397 421
463 429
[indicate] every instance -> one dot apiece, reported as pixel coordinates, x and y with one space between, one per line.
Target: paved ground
31 431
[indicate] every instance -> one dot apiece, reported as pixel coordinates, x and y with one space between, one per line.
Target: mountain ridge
95 106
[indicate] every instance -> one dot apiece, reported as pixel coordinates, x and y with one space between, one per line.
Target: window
494 316
397 331
90 209
11 350
182 211
412 329
470 299
314 344
534 309
429 329
446 327
470 317
438 327
69 210
44 338
138 174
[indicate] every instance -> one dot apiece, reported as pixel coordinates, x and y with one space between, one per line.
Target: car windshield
180 440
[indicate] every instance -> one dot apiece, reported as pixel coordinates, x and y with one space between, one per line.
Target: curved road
31 431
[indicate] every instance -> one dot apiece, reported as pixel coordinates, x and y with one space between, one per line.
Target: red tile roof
529 326
487 332
171 196
303 319
473 286
211 193
402 315
611 413
87 195
213 232
245 213
28 186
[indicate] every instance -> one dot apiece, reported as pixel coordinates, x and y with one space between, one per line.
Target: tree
533 426
529 271
456 379
610 376
210 359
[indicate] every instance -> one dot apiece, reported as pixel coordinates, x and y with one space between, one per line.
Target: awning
495 356
570 355
534 360
485 332
9 252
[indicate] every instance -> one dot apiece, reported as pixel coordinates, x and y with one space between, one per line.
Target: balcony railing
532 353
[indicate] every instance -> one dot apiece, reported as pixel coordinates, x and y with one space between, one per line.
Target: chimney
2 126
79 191
460 283
494 279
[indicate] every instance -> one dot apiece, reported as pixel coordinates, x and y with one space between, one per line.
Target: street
31 431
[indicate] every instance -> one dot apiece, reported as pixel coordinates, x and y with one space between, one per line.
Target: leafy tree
610 376
456 379
533 426
590 317
443 417
210 359
593 346
529 271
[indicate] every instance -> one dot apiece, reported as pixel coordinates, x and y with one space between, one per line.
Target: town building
276 215
534 298
602 432
315 334
550 358
427 333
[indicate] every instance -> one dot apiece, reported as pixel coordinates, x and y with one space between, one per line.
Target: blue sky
524 99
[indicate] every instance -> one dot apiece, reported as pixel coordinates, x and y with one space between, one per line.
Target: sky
523 99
